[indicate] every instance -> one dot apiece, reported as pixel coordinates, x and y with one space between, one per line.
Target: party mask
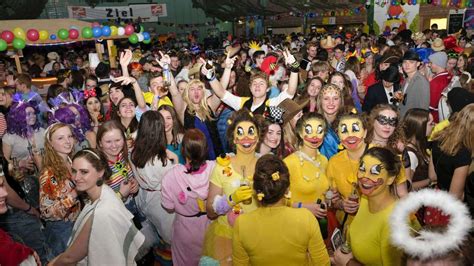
246 136
351 132
385 120
312 133
372 176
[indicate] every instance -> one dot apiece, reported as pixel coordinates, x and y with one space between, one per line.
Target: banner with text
147 12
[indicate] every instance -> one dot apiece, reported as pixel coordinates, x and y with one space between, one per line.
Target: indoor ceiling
230 9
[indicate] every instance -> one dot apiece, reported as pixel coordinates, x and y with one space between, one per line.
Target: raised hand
164 60
125 57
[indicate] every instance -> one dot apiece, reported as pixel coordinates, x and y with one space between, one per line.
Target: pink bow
89 93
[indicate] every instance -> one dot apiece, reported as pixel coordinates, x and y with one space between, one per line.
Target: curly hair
51 160
66 115
397 133
16 120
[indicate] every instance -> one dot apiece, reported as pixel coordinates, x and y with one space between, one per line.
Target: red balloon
73 34
129 29
8 36
32 35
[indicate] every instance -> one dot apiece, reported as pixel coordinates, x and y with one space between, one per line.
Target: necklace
304 157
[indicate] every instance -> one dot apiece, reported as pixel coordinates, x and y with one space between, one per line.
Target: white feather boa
429 244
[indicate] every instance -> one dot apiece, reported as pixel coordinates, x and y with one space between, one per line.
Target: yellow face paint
351 133
246 137
312 133
372 176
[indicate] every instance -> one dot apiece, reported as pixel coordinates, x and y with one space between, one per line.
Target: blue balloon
53 37
146 35
96 32
106 31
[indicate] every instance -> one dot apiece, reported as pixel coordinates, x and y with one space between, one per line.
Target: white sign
147 12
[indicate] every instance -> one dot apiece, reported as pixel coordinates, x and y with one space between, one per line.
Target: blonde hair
203 111
319 102
459 133
51 160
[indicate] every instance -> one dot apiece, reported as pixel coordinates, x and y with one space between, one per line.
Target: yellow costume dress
278 236
308 181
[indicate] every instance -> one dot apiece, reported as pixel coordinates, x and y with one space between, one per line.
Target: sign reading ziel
148 12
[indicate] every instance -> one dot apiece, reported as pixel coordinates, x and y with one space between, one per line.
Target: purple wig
67 116
16 119
86 123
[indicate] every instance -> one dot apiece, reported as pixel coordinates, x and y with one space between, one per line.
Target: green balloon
133 38
142 29
147 41
86 32
63 34
3 45
19 43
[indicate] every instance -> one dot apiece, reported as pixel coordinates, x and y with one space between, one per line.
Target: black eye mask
385 120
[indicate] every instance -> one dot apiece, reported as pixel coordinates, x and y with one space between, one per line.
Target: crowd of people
263 155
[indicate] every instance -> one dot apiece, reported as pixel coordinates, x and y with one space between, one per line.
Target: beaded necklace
313 160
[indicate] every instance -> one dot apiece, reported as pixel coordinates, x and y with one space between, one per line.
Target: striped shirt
121 171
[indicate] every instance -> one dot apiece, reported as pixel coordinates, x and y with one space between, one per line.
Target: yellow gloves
243 193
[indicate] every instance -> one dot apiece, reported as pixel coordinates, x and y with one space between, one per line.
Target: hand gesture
164 60
243 193
125 57
229 62
289 58
125 80
209 73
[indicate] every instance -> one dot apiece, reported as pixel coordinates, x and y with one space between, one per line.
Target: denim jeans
57 235
26 229
222 128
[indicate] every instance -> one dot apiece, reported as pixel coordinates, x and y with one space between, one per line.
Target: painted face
62 140
312 133
84 174
373 178
127 108
93 105
3 195
273 137
196 93
331 101
352 133
112 143
259 88
338 81
168 120
314 88
385 124
246 137
116 95
30 116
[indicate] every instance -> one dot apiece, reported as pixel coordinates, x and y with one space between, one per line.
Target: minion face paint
246 137
373 178
312 133
352 133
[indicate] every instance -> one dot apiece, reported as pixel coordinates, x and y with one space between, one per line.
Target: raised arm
214 101
125 58
293 65
178 102
211 77
136 88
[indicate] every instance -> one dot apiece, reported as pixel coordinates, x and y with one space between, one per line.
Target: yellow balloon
444 2
43 35
113 30
19 33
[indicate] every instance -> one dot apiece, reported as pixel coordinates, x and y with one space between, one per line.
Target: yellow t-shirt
308 182
278 236
369 237
149 96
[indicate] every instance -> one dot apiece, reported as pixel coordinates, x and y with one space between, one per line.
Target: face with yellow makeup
351 132
246 137
311 131
373 178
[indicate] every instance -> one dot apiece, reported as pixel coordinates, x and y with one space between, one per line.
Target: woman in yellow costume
308 181
255 241
230 192
369 232
342 167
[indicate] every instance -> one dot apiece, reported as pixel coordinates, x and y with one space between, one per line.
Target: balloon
121 31
129 29
32 35
43 35
53 37
146 36
63 34
106 31
140 37
73 34
8 36
3 45
147 41
19 33
96 32
133 38
18 43
87 32
136 27
142 29
95 24
113 30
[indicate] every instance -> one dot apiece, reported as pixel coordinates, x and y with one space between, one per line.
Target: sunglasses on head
385 120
